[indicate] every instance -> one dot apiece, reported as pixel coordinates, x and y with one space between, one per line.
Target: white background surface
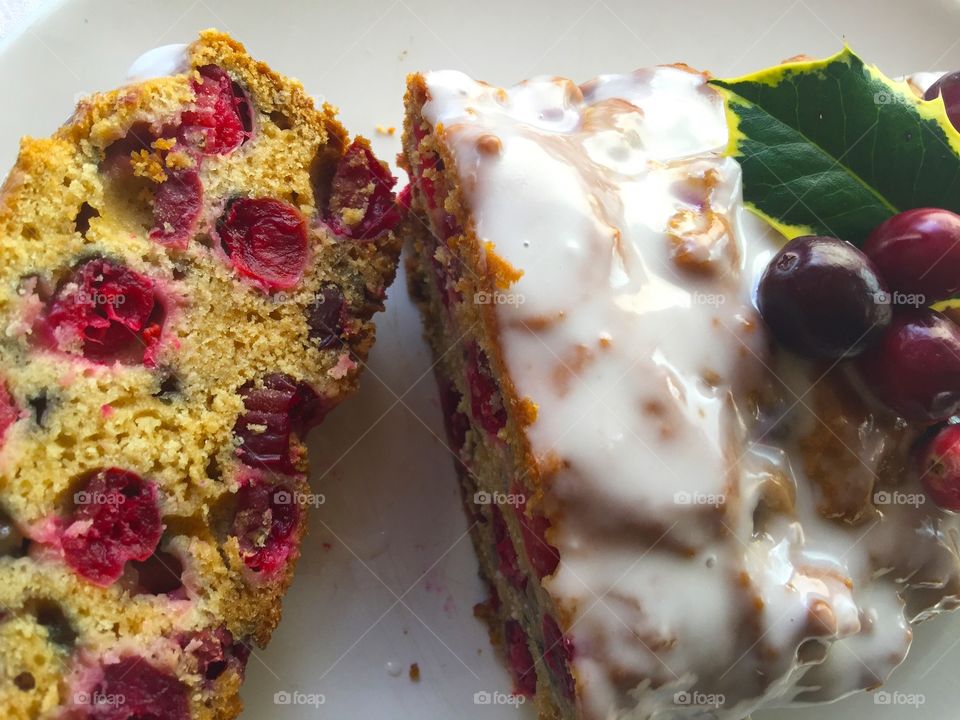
388 576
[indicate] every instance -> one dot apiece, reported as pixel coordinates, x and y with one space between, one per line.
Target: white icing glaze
159 62
668 596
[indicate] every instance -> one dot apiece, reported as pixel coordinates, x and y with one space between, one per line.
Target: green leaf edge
927 109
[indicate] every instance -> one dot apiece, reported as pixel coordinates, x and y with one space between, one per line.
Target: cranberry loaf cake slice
667 528
188 271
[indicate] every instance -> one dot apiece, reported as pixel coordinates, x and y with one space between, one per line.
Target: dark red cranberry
266 240
457 424
283 407
543 556
947 87
485 400
558 652
821 297
508 565
327 317
940 468
116 518
362 184
9 412
176 208
108 311
134 689
915 366
221 120
520 659
116 163
918 252
264 524
214 651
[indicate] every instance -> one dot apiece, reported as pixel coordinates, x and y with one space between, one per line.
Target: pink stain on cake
508 564
116 519
485 398
9 412
520 659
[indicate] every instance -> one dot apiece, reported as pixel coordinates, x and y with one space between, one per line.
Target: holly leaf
834 147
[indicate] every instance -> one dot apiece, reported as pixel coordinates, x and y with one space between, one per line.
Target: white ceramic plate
388 576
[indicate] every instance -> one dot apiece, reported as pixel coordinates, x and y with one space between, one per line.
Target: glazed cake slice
188 271
676 517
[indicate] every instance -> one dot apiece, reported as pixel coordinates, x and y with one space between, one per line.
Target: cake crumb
414 672
386 130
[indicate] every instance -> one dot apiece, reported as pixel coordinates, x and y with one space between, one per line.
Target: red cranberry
506 552
361 182
176 208
941 468
327 317
918 252
116 519
221 120
947 87
214 651
543 556
821 297
558 652
520 659
264 524
134 689
915 366
283 406
110 311
485 399
9 412
266 240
